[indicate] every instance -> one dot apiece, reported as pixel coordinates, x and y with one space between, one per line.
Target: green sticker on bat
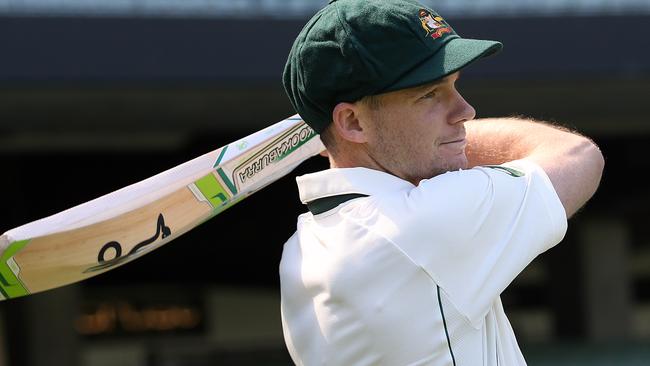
213 191
210 189
10 284
225 178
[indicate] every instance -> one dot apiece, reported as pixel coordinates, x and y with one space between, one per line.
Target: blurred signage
304 8
124 313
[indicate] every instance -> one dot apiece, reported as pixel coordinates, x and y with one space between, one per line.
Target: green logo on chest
513 172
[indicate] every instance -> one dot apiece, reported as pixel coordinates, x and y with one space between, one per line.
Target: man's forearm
573 162
499 140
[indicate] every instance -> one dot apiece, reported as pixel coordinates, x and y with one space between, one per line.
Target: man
426 215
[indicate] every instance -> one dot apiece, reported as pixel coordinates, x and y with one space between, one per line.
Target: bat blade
121 226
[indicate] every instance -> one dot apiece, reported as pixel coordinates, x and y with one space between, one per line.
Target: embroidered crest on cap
434 25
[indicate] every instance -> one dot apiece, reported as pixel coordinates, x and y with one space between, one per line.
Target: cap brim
455 55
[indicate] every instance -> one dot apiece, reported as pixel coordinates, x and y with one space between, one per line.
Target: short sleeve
474 231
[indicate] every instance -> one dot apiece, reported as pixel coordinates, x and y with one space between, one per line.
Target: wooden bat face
117 228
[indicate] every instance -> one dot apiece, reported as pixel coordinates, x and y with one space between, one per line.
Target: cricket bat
114 229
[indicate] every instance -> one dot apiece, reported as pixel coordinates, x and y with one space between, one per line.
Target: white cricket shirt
411 275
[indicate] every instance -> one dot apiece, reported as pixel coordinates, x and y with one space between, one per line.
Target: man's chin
451 165
457 163
441 171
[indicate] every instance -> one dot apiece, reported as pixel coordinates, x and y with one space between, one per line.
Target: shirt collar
332 182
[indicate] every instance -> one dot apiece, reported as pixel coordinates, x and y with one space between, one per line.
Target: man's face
418 133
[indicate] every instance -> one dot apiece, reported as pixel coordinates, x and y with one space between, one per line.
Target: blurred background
96 95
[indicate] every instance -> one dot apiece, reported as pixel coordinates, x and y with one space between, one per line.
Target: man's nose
462 111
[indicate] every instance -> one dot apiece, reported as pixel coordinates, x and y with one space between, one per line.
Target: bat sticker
10 283
275 151
161 229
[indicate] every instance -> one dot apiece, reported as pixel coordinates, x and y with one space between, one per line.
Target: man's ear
346 122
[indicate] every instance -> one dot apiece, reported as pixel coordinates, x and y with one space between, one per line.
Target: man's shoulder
339 181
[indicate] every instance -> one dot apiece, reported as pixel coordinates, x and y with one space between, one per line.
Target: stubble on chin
441 166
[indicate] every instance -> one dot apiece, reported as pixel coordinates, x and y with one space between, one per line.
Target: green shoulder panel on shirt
505 169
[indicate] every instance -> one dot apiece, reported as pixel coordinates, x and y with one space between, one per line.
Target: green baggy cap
355 48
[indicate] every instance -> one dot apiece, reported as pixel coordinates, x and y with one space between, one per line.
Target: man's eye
430 94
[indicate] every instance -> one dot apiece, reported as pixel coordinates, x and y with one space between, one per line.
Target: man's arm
573 162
